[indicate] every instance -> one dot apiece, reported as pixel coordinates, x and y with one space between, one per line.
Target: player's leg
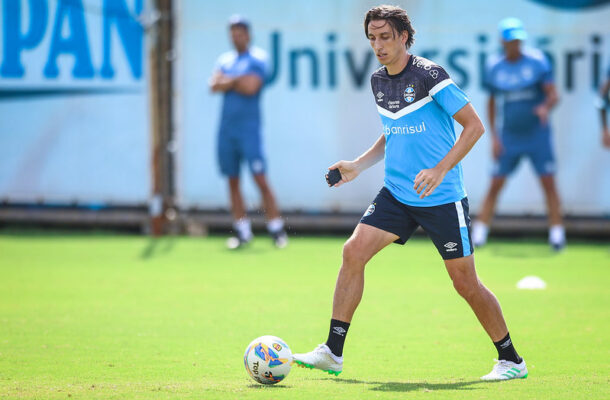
241 223
486 307
364 243
271 209
503 167
448 226
229 162
481 226
481 300
544 163
384 222
557 236
238 210
253 152
275 223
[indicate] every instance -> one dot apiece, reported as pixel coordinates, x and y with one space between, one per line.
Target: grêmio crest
409 94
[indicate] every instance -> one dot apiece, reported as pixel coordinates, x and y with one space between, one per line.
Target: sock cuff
275 225
244 227
503 340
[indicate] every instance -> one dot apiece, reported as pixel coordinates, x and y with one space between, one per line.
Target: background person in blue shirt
521 87
423 186
240 76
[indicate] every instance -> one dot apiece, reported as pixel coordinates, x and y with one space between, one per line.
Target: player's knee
353 255
467 288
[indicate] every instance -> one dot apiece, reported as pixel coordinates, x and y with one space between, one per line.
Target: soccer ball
268 359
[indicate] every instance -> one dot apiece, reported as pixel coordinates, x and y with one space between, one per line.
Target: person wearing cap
240 75
521 87
603 104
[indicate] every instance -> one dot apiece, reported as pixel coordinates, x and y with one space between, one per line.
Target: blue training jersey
519 87
416 108
239 111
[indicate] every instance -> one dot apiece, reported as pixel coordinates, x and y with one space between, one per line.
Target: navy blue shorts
448 225
233 149
538 149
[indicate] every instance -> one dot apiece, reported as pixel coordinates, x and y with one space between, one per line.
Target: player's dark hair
395 16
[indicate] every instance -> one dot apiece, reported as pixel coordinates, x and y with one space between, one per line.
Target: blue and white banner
318 107
74 119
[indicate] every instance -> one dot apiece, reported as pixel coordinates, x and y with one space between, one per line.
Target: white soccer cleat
505 370
237 242
280 239
321 358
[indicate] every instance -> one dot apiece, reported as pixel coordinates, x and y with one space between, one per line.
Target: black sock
336 336
506 350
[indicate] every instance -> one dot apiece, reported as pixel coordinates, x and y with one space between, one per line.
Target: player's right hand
349 171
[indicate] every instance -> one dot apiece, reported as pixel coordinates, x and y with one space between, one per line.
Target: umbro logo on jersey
450 246
379 96
339 331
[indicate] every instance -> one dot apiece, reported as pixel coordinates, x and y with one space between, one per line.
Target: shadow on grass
414 386
268 387
157 246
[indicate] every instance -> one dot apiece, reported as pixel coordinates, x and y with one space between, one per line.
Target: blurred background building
106 119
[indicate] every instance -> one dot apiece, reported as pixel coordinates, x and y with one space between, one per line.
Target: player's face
512 49
388 45
240 38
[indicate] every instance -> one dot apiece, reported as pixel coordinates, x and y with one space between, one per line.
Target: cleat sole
305 365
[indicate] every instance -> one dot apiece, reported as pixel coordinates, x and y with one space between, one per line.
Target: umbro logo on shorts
450 246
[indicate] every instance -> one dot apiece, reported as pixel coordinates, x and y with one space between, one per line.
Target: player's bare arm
551 99
496 143
248 85
220 82
428 179
351 169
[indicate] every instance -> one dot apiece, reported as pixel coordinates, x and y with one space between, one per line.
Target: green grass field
125 317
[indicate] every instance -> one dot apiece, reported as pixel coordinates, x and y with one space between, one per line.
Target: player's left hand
427 180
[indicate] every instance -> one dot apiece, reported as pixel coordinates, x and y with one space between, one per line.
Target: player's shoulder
535 56
227 58
258 55
380 72
428 71
533 53
495 61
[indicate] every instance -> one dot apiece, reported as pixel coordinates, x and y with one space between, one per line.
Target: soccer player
423 186
603 105
240 76
521 80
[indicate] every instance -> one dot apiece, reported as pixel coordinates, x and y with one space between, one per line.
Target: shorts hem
400 239
454 256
